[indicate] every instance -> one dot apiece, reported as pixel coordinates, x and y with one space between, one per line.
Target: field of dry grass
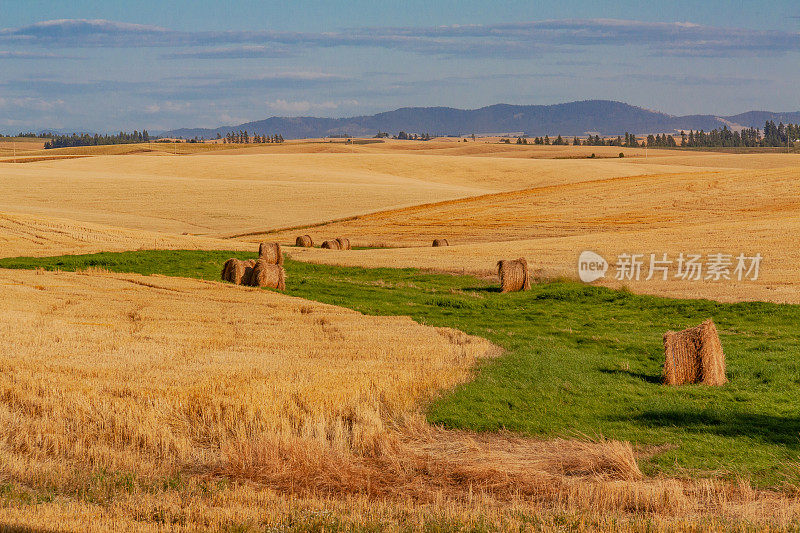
152 403
155 403
241 190
37 236
157 377
730 211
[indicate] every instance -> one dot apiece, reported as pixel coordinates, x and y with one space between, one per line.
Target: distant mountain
575 118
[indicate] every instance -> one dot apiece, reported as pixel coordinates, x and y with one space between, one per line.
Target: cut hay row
440 242
514 275
694 355
270 252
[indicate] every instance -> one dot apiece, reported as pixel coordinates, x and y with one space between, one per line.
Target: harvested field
121 422
33 235
224 193
741 212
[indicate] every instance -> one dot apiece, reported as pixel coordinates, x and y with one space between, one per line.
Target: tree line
629 141
242 137
69 141
773 136
28 135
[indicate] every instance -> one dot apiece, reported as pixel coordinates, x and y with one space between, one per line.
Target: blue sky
121 65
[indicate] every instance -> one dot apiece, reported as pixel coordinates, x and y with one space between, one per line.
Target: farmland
391 386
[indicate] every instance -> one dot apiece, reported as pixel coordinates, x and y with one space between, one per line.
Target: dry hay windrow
233 271
514 275
344 243
304 241
694 355
266 274
440 242
423 463
270 252
332 245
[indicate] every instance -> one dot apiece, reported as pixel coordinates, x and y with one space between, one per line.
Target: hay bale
233 271
270 252
694 355
440 242
248 271
514 275
344 244
332 245
304 241
268 275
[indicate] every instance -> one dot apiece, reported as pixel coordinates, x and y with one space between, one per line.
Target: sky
113 65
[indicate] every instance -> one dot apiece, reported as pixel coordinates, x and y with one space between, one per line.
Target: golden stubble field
704 212
156 403
236 191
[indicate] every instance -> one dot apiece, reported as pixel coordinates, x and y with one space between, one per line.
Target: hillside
575 118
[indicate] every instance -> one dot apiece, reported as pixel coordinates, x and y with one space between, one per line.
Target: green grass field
579 360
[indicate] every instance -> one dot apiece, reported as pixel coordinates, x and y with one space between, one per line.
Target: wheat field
730 211
156 403
36 236
234 191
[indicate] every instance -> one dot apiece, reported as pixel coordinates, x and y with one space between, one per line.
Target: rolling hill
574 118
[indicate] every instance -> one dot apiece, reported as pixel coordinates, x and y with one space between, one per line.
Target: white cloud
30 103
167 107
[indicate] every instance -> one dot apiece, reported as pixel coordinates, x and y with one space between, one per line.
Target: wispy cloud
31 103
304 106
522 39
11 54
234 52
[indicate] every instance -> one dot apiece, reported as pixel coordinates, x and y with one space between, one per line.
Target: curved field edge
579 360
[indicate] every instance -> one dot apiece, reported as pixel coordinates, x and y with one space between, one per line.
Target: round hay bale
268 275
233 271
440 242
344 244
248 271
270 252
694 355
304 241
332 245
514 275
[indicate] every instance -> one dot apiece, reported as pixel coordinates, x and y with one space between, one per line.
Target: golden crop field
709 211
150 391
158 403
28 235
221 194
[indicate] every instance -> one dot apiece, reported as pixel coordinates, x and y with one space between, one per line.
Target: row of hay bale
339 243
266 271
